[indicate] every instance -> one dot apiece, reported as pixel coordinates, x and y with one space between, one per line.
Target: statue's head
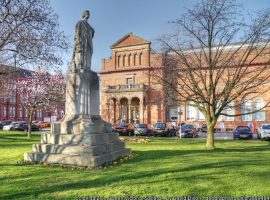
86 14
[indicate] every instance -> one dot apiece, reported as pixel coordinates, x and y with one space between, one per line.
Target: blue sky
112 19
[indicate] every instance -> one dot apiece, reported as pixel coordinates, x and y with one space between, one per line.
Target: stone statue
83 48
82 138
80 89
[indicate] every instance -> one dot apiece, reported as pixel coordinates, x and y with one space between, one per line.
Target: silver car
140 129
10 126
264 131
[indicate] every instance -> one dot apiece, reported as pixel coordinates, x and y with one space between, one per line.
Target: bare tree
29 34
217 59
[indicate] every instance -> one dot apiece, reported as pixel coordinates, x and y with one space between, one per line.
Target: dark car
141 129
188 131
161 129
242 132
204 128
1 125
124 129
22 126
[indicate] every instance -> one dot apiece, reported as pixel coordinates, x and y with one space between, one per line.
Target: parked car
161 129
263 131
188 131
35 127
204 128
242 132
10 127
22 126
1 125
124 129
45 124
141 129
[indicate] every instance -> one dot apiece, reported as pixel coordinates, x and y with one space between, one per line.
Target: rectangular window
39 114
21 112
62 113
4 111
200 116
129 82
230 111
259 105
191 112
247 108
4 98
13 98
12 111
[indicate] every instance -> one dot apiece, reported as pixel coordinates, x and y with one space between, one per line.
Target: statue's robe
78 88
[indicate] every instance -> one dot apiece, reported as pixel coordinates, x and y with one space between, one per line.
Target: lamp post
179 120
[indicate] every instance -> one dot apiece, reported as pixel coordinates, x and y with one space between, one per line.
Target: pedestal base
92 146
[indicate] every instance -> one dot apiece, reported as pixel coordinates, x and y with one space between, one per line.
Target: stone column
129 112
118 112
141 111
108 111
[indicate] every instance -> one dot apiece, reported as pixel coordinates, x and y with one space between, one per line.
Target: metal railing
125 87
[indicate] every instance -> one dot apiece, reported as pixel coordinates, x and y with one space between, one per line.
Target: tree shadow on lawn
191 173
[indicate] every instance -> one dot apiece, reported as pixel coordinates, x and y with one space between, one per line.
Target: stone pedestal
82 138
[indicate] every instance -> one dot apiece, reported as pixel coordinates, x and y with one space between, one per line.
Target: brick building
130 94
10 109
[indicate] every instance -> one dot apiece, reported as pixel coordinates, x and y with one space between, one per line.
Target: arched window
140 58
124 60
246 108
260 115
129 59
118 60
135 59
229 110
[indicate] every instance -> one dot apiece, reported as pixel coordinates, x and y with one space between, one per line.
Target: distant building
10 108
129 92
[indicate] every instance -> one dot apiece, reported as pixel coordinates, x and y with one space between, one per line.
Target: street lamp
179 120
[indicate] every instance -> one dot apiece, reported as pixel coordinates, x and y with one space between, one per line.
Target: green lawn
163 167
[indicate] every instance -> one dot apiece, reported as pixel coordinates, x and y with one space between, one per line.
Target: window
173 112
129 60
140 58
62 113
4 98
129 82
12 111
246 108
21 112
191 112
124 60
230 111
200 116
118 61
135 59
13 98
260 115
39 114
4 111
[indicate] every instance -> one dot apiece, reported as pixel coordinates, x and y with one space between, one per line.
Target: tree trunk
210 145
30 125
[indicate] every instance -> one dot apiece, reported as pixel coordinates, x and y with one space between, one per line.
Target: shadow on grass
189 174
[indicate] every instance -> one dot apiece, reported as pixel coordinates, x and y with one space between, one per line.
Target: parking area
223 135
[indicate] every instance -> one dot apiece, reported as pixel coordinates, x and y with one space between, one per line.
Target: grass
163 167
